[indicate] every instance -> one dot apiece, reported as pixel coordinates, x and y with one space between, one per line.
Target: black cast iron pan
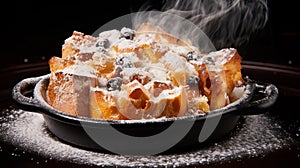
143 137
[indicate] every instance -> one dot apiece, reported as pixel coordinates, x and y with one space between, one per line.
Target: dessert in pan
139 86
141 74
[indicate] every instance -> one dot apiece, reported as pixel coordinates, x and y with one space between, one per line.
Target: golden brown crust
56 63
161 35
103 108
72 45
61 94
69 93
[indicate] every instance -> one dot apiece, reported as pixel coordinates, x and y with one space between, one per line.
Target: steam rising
228 23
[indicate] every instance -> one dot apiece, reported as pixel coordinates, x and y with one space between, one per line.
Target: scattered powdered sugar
255 135
80 70
111 35
157 71
124 44
177 64
180 50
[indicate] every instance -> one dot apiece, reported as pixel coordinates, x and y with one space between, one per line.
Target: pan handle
22 93
264 96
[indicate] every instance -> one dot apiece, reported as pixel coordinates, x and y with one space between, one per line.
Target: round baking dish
143 137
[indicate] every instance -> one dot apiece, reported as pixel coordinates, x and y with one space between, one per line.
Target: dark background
35 31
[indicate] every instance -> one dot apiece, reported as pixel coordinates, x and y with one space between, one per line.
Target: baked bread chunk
140 74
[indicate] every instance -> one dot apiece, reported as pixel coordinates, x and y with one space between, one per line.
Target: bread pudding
140 74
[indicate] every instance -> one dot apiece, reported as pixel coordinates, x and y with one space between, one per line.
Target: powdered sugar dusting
80 70
254 137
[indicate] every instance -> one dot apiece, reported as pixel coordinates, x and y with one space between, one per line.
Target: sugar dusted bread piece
70 93
76 43
220 73
160 35
56 63
140 102
103 105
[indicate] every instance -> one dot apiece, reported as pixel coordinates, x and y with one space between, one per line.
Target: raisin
117 72
208 60
114 84
124 62
127 33
191 56
193 81
102 45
